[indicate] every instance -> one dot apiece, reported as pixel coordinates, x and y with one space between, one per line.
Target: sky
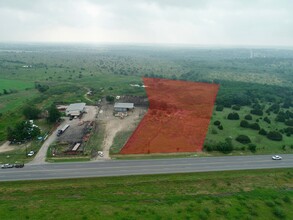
197 22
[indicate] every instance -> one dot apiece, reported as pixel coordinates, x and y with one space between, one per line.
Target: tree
219 108
236 107
23 131
289 122
248 117
254 126
252 147
110 98
225 147
54 114
217 123
233 116
244 124
31 112
267 120
243 139
256 112
5 92
263 132
275 136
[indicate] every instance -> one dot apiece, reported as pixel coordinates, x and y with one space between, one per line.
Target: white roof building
123 107
75 109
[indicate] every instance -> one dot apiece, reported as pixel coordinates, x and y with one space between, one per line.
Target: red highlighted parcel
177 119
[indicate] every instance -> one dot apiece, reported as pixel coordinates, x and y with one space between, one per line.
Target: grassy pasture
260 194
232 129
15 84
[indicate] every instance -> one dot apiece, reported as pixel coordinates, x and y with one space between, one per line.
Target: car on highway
7 165
276 157
19 165
31 153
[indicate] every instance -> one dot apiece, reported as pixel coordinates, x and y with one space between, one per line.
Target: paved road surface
41 155
136 167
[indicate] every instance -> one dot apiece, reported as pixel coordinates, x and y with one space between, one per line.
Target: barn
75 109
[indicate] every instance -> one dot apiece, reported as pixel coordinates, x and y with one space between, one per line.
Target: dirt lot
114 124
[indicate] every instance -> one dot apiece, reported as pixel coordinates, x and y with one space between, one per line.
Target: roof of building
123 105
76 107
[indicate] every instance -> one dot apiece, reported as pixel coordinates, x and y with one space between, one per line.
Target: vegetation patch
261 194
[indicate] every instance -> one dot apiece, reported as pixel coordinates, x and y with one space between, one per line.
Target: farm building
75 109
123 107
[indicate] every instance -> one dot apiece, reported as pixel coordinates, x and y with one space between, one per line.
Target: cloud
225 22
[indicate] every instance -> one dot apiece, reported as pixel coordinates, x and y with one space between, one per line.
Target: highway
142 167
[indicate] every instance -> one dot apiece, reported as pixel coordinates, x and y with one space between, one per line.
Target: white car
31 153
276 157
100 153
7 165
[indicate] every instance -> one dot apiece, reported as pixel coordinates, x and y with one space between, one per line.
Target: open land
260 194
177 119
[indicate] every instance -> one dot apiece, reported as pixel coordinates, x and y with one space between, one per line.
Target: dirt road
40 157
6 147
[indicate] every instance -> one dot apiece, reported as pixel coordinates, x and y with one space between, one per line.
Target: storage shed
123 107
75 109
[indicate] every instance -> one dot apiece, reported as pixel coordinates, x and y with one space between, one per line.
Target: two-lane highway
142 167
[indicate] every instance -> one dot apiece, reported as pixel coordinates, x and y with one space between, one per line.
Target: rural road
141 167
42 153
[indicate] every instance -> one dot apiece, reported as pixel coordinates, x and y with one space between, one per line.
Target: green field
15 84
260 194
232 128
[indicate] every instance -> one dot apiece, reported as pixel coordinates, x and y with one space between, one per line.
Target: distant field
15 85
261 194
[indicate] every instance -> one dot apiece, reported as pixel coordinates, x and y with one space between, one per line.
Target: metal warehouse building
75 109
123 107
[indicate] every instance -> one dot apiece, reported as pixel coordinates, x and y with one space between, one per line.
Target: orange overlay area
177 119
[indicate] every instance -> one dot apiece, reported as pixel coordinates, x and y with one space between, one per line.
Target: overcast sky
199 22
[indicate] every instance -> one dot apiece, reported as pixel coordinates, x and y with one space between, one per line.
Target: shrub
219 108
254 126
243 139
263 132
244 124
110 98
248 117
252 148
233 116
217 123
220 127
256 112
289 123
275 136
279 213
267 120
236 107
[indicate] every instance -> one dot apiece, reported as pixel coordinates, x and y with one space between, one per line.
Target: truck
61 131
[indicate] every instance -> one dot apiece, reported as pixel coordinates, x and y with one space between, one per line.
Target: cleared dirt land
177 120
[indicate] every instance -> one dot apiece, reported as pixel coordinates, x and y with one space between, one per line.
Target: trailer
61 131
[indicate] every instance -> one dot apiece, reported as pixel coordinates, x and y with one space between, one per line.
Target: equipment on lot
61 131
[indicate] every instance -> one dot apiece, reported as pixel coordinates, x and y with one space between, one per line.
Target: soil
177 120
